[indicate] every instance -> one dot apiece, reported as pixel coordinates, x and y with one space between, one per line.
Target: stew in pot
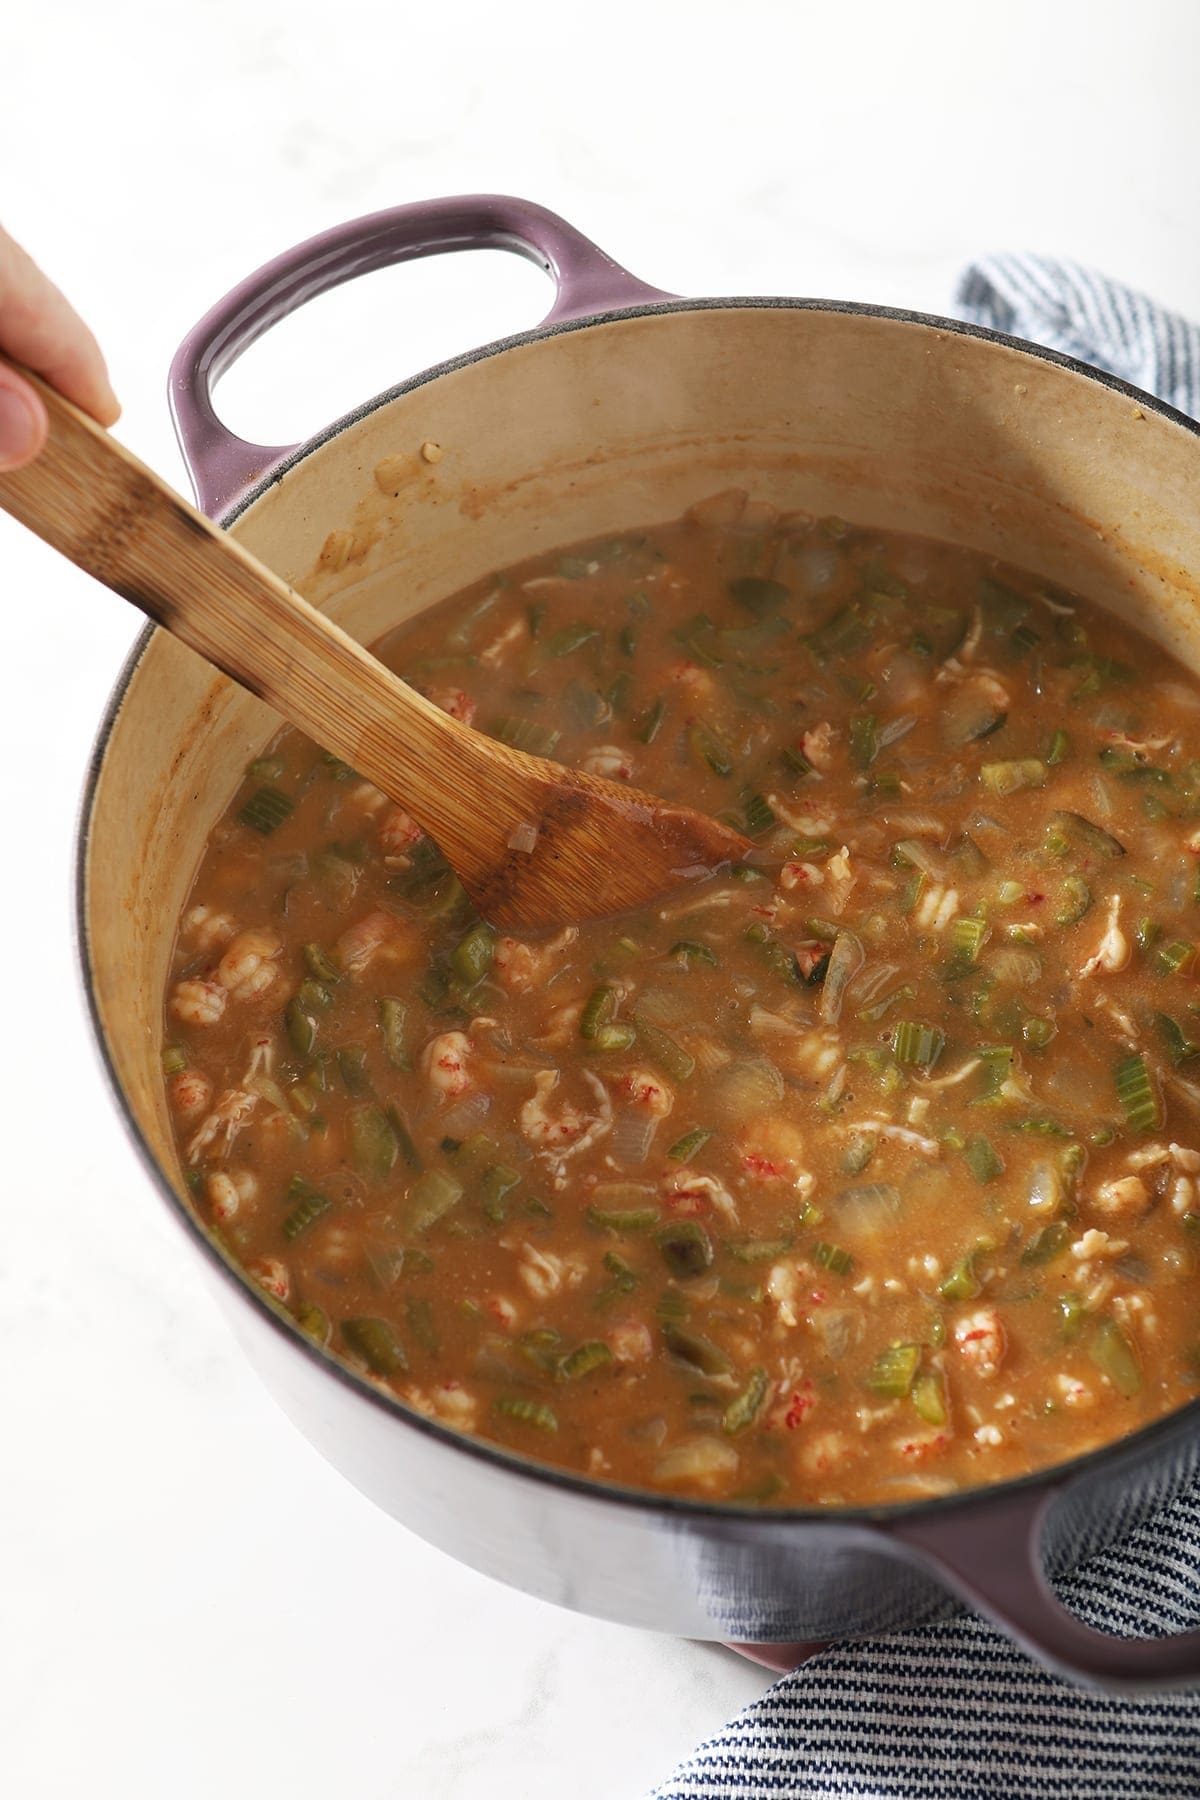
867 1170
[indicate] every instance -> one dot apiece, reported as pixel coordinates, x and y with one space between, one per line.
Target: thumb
23 422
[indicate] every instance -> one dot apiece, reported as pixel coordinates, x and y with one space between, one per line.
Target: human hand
40 329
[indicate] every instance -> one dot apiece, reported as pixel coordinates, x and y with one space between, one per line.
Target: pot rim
1177 1424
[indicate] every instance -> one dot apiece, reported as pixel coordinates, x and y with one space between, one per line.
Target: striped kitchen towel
953 1711
1079 312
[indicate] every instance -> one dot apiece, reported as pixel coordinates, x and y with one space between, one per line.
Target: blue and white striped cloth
953 1711
1080 313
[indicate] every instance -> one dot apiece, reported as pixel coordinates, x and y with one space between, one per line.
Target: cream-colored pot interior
881 419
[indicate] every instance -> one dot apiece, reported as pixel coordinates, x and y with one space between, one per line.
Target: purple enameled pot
622 408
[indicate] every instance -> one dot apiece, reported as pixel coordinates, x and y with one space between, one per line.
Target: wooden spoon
533 843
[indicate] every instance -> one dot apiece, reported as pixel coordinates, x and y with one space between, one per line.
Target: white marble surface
193 1603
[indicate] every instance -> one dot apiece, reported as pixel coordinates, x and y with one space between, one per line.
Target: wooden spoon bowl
533 843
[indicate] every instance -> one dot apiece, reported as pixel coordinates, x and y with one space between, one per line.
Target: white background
192 1603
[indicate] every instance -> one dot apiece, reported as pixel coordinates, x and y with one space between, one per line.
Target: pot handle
990 1556
221 465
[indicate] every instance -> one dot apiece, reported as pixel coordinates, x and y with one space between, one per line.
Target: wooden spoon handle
94 501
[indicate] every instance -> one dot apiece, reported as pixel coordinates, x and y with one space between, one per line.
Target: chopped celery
1138 1095
929 1398
694 1348
1180 1047
982 1159
352 1066
300 1025
894 1370
1146 933
1076 900
1047 1244
408 1149
1071 1314
525 734
431 1197
174 1059
962 1283
524 1411
313 1322
745 1408
585 1359
1176 958
918 1045
1115 1357
650 723
623 1219
598 1010
684 1148
864 740
834 1258
967 938
471 957
808 849
1004 778
624 1278
319 965
265 810
373 1144
911 892
795 761
706 744
663 1051
755 1250
308 1205
393 1026
758 815
692 635
690 953
377 1344
566 640
844 632
618 1036
996 1061
496 1182
1068 830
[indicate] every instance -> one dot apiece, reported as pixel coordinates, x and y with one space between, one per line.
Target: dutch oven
622 408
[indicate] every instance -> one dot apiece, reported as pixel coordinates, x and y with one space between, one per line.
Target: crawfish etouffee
866 1170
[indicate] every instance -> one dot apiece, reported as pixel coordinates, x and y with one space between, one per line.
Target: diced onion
461 1120
818 567
746 1090
839 1327
845 960
917 824
697 1459
632 1135
612 1195
662 1007
1015 965
895 729
524 838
